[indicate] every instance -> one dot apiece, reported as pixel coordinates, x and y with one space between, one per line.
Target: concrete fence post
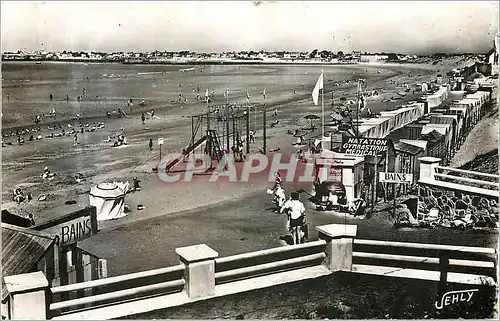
428 168
27 296
199 261
339 246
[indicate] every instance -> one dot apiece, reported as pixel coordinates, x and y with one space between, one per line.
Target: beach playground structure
223 129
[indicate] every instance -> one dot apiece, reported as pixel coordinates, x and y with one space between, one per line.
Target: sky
216 26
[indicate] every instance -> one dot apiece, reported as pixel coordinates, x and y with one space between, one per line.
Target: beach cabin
24 251
446 131
468 105
403 116
339 167
52 248
378 127
436 145
420 106
461 112
407 155
474 106
451 120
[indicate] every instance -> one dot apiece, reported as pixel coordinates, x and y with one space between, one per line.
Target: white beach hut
109 200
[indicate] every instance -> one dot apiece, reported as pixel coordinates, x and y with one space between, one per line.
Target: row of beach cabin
436 125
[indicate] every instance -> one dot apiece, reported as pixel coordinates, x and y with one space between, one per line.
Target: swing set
223 129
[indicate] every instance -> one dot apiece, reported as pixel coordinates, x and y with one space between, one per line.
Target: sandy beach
110 86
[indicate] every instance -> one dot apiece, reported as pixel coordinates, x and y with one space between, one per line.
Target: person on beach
8 97
151 144
295 211
76 139
277 180
67 98
143 118
51 97
32 220
251 134
275 113
152 113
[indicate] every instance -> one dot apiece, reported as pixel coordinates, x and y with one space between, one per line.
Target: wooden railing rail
117 294
463 171
426 246
261 253
115 279
466 179
255 269
421 259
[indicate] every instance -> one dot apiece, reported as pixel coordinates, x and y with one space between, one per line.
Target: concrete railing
432 173
444 263
202 275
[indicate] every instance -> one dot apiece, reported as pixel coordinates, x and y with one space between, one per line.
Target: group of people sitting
19 196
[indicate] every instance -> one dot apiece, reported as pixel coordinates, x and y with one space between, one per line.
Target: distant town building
492 57
373 58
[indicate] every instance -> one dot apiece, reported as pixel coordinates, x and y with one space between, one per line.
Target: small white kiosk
346 169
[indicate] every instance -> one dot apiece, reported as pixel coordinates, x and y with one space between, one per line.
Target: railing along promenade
482 184
202 275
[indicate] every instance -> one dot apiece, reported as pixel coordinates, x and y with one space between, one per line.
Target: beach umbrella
301 122
336 116
311 118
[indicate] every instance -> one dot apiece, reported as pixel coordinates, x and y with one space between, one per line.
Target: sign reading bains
364 146
73 227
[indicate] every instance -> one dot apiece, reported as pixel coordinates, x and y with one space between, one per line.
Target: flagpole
322 110
357 110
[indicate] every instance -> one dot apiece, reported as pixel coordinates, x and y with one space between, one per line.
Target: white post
27 299
322 110
339 247
428 168
199 261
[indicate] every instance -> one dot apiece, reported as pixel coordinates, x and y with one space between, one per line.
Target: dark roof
407 148
13 219
22 249
433 136
492 51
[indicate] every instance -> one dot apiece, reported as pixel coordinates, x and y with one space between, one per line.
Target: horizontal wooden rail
465 179
116 295
116 279
282 249
425 246
266 266
421 259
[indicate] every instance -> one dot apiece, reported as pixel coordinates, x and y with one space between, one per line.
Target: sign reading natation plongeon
365 146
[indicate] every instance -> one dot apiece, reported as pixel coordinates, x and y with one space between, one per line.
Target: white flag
315 92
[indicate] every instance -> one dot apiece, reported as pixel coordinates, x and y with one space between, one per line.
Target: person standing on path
143 118
151 144
251 134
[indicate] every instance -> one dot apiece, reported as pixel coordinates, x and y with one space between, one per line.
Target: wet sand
97 161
